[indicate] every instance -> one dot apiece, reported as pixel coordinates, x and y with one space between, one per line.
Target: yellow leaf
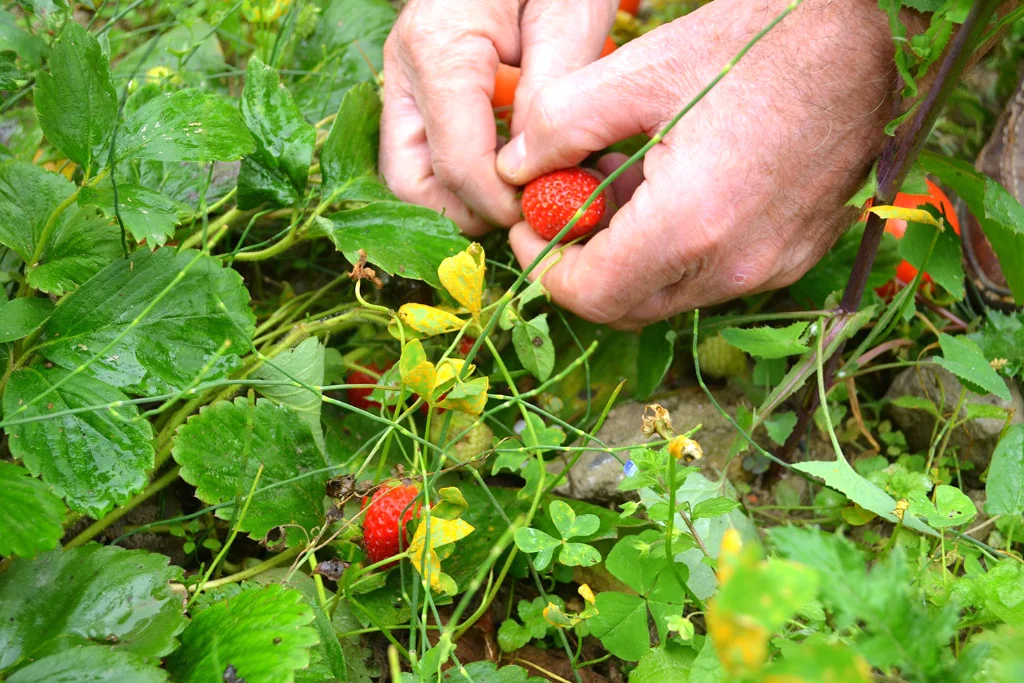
422 549
463 276
909 215
587 594
428 321
421 378
728 557
469 398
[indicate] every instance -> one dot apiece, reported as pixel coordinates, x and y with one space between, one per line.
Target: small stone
976 440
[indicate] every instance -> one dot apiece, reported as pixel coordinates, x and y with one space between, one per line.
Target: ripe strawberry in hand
549 203
384 521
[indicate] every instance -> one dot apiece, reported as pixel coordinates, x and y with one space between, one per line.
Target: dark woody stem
897 156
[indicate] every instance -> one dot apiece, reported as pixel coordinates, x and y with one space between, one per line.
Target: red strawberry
360 396
384 519
550 201
466 345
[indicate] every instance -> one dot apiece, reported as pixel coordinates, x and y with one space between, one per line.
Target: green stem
255 570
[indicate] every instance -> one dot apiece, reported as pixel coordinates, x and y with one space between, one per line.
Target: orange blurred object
897 227
630 6
507 80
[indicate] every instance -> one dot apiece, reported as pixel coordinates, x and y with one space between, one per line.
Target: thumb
587 110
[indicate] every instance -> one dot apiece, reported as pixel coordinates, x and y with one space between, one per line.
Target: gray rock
596 474
976 440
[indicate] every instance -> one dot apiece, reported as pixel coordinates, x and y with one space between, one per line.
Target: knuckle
549 111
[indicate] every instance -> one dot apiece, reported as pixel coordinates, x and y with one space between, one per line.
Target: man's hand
438 138
748 191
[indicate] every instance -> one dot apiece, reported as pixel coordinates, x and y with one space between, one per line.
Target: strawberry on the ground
359 397
384 521
549 203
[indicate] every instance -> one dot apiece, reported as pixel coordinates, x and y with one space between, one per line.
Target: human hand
438 138
748 191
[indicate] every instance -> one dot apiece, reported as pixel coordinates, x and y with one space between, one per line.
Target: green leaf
306 363
916 403
29 195
400 239
1004 488
31 516
349 157
621 625
187 125
90 664
671 662
578 555
277 171
531 540
94 459
989 204
1002 336
714 507
639 562
117 599
838 474
172 345
488 672
532 341
10 74
21 316
813 659
768 342
80 247
29 48
221 448
657 349
147 214
19 130
568 524
951 507
1002 206
780 425
76 101
512 636
262 635
945 264
964 359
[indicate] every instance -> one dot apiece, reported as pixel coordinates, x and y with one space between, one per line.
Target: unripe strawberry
720 359
471 446
549 203
384 519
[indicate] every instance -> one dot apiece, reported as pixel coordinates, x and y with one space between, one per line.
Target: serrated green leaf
222 447
400 239
89 595
94 459
277 171
768 342
21 316
532 341
714 507
263 635
187 125
964 359
349 156
945 264
169 347
75 100
621 625
1004 488
305 362
147 214
29 195
90 664
31 515
780 425
1002 336
83 243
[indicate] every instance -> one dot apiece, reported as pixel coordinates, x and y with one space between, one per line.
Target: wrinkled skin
744 195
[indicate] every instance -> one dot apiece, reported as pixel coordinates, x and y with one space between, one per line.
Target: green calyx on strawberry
550 202
392 506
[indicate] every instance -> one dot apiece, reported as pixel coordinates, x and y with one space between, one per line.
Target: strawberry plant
263 421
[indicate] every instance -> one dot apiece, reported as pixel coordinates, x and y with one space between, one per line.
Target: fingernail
511 156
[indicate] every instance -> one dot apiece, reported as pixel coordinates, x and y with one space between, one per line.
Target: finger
589 109
558 37
405 160
625 185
